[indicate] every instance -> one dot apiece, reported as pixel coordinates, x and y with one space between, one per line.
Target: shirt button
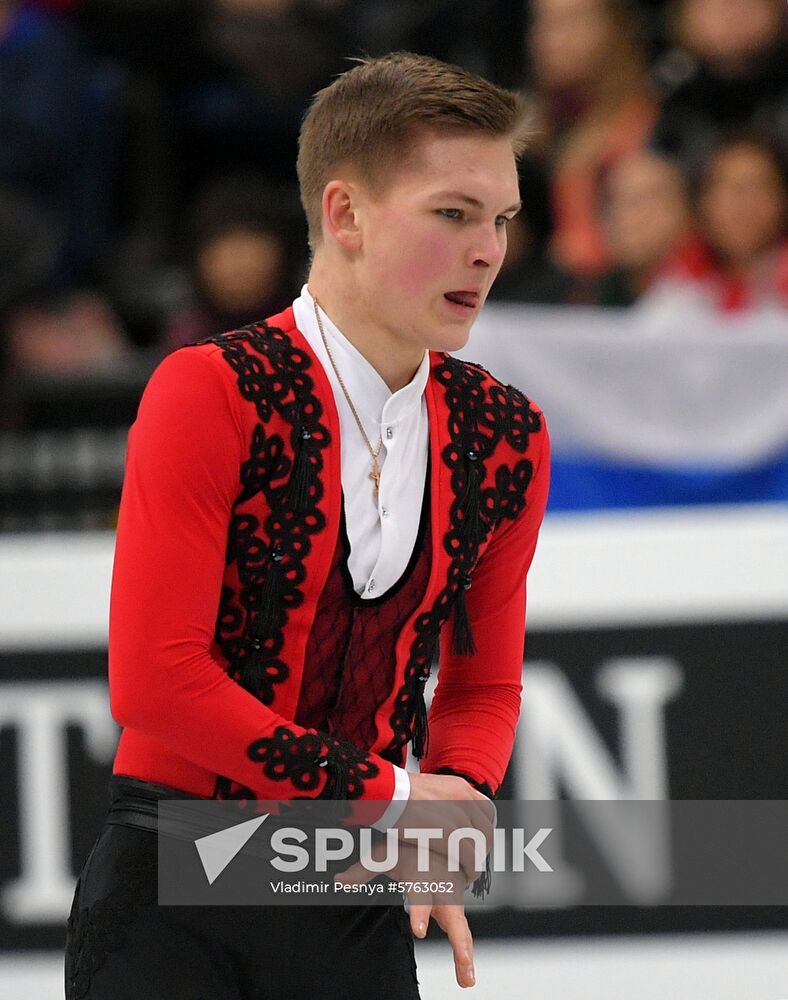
371 586
384 512
389 433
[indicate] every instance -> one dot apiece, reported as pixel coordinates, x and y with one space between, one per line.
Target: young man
312 505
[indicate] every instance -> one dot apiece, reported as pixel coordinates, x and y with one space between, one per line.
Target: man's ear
340 214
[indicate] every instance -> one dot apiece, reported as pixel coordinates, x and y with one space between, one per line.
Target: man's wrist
480 786
398 802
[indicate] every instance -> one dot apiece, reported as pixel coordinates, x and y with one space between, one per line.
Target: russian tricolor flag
649 406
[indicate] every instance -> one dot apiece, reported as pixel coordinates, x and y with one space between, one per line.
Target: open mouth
468 300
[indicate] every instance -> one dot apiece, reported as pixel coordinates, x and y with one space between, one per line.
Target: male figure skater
312 506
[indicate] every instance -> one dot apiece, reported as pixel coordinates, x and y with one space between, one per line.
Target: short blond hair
366 116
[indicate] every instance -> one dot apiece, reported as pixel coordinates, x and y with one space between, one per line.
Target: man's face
569 41
730 32
743 205
647 211
433 240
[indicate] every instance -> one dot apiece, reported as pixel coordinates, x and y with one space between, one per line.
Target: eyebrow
474 202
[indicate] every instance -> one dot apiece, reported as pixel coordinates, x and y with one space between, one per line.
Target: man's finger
354 875
419 918
454 922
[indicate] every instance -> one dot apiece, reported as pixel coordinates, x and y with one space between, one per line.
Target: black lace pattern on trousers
96 930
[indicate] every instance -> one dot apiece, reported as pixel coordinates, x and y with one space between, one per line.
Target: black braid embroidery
270 562
287 389
479 419
286 756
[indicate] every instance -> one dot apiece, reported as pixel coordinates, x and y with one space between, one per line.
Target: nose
488 247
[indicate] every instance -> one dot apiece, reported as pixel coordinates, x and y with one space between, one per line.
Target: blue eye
451 213
502 220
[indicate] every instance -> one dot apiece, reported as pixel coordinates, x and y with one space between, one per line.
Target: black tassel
471 527
482 884
336 786
269 606
421 735
252 679
269 595
298 487
436 652
462 643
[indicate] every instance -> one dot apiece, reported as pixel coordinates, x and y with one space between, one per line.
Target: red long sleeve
166 683
476 706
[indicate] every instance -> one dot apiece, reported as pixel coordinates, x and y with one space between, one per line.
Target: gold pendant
375 477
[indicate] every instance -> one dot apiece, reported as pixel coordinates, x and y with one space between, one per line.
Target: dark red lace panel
350 656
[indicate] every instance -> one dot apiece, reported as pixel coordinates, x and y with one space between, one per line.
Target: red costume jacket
228 530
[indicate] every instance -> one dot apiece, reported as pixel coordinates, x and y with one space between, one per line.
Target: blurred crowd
147 156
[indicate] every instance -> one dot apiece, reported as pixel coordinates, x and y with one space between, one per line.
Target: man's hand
446 802
441 787
443 901
451 919
449 803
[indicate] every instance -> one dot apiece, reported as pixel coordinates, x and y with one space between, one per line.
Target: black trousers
121 945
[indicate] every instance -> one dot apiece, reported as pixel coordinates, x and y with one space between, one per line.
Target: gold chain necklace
374 452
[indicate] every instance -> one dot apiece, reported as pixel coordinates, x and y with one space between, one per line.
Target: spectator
30 246
648 221
56 171
56 139
481 36
256 39
728 70
595 108
266 59
528 273
75 334
741 259
141 35
62 6
240 258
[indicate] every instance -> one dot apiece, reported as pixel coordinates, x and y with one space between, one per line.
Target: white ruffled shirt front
382 531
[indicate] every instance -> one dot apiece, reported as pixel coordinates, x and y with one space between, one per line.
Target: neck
746 265
394 359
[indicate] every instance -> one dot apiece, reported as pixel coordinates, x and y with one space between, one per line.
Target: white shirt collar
371 396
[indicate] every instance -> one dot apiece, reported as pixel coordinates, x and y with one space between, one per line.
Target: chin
451 340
